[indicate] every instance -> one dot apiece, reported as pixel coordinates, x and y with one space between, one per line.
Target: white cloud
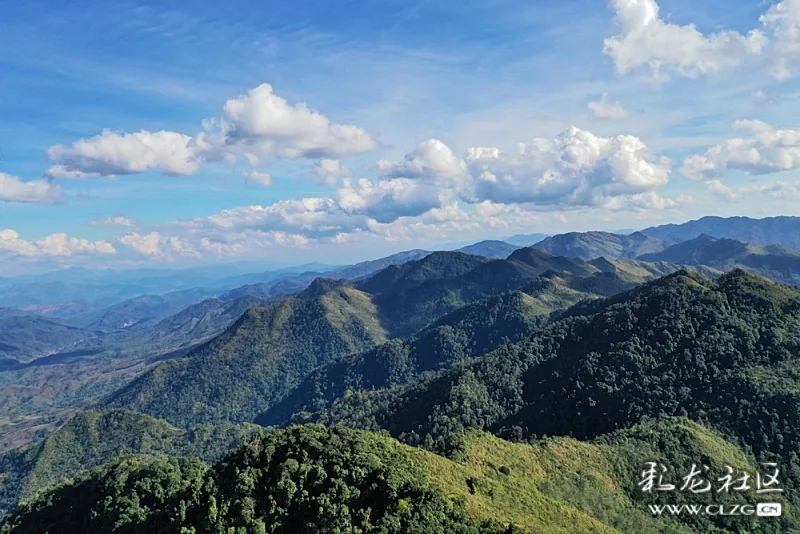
388 200
12 189
159 246
261 178
419 196
118 153
433 162
262 123
603 109
117 221
719 189
429 194
330 171
646 42
256 125
779 190
782 21
577 168
54 245
766 151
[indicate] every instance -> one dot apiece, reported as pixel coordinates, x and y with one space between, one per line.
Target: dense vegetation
576 391
472 330
94 437
267 352
316 479
773 261
270 351
713 350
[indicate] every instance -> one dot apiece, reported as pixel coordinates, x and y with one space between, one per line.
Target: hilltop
591 245
312 478
774 261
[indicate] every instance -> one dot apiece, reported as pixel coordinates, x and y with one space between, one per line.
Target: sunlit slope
312 477
264 354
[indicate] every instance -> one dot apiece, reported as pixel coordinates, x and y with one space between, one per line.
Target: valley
475 377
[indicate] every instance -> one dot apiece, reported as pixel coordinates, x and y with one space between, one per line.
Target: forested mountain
636 359
472 330
720 351
773 261
490 249
267 351
146 310
768 231
204 319
25 337
434 267
317 479
270 351
94 437
591 245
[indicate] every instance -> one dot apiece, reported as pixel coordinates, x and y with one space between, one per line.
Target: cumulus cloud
646 42
433 162
265 124
575 169
388 200
765 151
159 246
429 193
54 245
420 194
258 177
603 109
255 125
118 153
329 171
116 221
782 21
777 190
719 189
13 189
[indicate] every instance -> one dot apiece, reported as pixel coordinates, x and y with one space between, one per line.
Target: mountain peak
435 266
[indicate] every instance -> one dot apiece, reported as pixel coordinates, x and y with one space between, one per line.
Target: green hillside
254 363
270 351
472 330
94 437
316 479
713 350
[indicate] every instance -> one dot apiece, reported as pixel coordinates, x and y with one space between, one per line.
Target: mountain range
773 261
591 245
671 336
783 231
468 391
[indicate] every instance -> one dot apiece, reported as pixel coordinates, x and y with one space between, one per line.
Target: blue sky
479 74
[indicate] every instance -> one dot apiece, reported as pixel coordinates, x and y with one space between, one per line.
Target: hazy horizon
353 131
